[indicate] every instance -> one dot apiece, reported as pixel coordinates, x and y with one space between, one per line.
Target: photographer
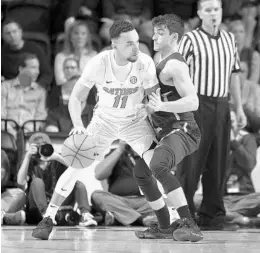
38 175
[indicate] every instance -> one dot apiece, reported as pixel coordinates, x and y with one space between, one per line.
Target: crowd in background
45 46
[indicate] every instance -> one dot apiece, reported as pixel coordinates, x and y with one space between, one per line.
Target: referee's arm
235 90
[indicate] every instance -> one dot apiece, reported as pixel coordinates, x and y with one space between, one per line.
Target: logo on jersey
133 80
121 91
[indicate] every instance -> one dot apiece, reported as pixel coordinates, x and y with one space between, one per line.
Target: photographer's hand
32 150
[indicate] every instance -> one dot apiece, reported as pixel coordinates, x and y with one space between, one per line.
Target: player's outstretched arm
179 73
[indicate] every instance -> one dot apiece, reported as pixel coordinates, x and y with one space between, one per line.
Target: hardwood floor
17 239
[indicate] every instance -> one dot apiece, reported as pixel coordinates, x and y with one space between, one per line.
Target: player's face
162 38
210 13
127 45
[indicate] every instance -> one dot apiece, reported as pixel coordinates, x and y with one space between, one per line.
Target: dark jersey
169 93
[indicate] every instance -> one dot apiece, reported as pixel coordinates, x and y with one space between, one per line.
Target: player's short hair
173 22
201 1
118 27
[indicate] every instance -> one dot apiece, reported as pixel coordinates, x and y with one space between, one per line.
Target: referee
213 61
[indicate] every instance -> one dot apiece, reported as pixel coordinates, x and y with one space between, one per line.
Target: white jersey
119 99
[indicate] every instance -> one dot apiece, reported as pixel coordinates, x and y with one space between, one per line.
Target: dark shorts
183 140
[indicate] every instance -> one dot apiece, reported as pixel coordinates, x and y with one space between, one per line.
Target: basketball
79 151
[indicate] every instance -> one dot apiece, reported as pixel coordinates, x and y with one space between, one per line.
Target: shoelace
153 228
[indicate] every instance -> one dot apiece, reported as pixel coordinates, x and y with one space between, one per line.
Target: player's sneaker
17 218
43 229
155 232
87 220
188 230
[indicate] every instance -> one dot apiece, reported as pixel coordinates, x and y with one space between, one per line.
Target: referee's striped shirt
211 60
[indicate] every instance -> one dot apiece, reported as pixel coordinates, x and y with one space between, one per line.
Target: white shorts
137 133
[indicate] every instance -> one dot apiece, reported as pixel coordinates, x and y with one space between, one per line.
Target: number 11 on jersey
123 100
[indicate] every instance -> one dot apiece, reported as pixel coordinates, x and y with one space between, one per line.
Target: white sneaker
86 220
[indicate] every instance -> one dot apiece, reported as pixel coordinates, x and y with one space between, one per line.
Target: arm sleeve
94 71
186 48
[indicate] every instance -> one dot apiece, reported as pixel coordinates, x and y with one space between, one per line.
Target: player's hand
241 118
155 101
78 130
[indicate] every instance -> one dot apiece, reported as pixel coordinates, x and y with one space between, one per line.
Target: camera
45 150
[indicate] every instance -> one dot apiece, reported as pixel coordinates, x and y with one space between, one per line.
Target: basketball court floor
17 239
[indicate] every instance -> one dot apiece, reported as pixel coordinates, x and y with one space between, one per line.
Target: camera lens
46 150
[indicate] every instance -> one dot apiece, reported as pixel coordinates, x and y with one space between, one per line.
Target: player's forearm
75 111
185 104
235 90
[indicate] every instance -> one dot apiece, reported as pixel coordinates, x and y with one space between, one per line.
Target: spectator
78 44
139 12
22 98
247 54
89 10
12 200
38 175
13 50
250 94
58 119
241 202
122 202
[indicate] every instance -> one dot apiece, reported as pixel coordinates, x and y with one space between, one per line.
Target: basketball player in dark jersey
177 132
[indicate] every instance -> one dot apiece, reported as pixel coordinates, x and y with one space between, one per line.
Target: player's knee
80 186
162 161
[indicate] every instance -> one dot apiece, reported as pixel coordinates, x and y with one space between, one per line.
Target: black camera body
45 150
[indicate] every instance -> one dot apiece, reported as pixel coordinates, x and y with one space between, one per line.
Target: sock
51 211
163 217
184 211
179 202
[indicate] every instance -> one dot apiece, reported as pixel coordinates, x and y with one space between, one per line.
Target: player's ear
113 44
175 37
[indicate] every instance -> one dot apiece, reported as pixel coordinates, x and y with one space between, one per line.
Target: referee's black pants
210 160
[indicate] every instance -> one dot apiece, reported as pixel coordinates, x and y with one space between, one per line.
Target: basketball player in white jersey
123 76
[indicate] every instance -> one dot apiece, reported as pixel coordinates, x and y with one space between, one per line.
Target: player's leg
140 136
62 190
168 153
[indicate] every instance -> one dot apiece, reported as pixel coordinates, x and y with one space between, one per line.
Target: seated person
250 94
247 54
12 200
13 49
241 202
77 44
58 119
22 98
38 176
122 203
